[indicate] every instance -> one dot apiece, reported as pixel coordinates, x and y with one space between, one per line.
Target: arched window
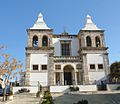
88 41
35 41
45 41
97 41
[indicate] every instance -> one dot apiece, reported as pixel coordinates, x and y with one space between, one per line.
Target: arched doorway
68 75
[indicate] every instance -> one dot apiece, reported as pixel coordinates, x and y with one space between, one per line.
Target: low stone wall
82 88
87 88
32 89
111 87
59 88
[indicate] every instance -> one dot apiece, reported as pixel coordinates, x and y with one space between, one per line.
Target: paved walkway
101 98
92 98
25 98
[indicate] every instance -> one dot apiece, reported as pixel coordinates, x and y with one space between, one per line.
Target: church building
66 59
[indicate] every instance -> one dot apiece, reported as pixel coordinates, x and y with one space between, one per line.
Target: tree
8 70
115 71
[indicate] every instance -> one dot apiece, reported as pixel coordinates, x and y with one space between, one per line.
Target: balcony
67 59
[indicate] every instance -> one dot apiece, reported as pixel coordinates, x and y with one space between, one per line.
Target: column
54 74
39 41
75 78
62 78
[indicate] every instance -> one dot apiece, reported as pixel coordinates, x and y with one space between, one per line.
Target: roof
89 24
40 24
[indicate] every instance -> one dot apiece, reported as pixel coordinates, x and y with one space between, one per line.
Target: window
35 41
97 41
100 66
45 41
88 41
78 66
35 67
92 66
44 67
57 67
65 48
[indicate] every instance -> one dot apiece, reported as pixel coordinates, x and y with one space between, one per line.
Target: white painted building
65 59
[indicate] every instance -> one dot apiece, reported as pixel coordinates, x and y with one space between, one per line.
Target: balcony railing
67 58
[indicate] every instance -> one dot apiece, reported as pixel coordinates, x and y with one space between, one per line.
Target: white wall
94 59
87 88
39 59
41 77
111 87
59 88
74 46
57 47
97 74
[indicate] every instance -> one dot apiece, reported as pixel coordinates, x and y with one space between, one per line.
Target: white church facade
66 59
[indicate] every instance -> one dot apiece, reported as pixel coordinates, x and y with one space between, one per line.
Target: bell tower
93 52
37 52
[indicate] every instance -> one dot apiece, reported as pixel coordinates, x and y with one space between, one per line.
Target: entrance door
67 78
68 75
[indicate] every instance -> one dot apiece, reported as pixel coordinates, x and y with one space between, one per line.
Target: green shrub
47 98
118 88
38 94
74 88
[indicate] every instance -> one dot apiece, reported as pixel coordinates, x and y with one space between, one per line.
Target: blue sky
18 15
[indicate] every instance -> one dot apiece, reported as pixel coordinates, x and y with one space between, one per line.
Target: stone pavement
24 98
92 98
70 98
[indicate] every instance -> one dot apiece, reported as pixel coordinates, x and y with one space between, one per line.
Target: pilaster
50 70
106 64
85 68
27 77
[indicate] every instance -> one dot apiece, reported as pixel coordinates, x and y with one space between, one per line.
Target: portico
67 76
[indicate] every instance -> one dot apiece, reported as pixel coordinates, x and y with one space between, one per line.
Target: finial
64 32
88 20
40 15
64 29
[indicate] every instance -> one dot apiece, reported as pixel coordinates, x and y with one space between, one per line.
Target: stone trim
39 30
40 71
91 31
39 51
39 48
60 35
94 48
